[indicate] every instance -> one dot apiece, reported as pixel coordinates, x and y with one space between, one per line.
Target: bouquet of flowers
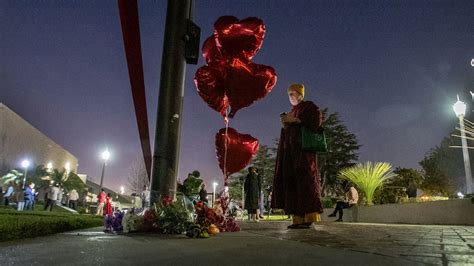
168 217
113 223
131 222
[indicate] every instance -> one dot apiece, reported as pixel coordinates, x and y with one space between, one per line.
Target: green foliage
20 225
12 176
236 184
389 194
171 217
394 191
192 185
328 202
443 168
265 160
368 177
342 152
43 178
405 176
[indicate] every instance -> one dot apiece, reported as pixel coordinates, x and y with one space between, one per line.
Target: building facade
19 140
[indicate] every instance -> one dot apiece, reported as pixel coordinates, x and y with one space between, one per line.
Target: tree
342 152
404 176
443 168
265 160
236 184
12 176
137 175
368 177
395 189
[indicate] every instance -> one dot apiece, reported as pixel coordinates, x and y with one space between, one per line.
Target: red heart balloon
239 38
209 81
247 83
240 150
210 52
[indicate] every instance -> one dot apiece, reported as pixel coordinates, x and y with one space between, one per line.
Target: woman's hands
288 119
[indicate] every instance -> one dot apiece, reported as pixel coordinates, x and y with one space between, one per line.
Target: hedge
20 225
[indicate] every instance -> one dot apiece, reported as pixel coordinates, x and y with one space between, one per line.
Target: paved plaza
264 243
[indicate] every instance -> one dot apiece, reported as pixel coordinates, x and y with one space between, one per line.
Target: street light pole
460 110
25 164
214 193
105 157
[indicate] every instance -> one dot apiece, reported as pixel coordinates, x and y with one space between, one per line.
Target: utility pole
181 46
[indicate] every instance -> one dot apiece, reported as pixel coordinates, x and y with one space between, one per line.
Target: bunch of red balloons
231 81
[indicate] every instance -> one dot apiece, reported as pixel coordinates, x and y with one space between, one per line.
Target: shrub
328 202
368 177
19 225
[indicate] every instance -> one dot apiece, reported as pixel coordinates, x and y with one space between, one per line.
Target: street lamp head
214 184
67 166
106 154
49 166
459 108
25 163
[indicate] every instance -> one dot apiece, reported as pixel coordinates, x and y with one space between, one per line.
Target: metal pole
102 176
213 196
465 153
168 121
24 178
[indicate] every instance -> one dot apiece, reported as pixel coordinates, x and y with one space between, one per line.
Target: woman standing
296 184
252 187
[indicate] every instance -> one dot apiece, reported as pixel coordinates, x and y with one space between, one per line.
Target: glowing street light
49 167
214 185
105 156
122 190
67 166
25 164
460 110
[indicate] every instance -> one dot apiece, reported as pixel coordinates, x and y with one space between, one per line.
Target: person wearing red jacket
108 210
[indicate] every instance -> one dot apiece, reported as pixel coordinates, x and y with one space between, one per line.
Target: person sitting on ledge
351 199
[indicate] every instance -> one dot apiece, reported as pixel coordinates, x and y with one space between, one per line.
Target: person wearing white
145 196
8 194
73 197
52 197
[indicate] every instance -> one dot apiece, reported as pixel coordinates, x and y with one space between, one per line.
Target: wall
448 212
19 140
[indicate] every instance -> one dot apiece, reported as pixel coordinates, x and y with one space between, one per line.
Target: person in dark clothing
261 203
351 199
296 183
203 193
252 188
411 190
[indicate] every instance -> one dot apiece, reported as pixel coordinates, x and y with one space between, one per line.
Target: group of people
22 196
54 195
104 203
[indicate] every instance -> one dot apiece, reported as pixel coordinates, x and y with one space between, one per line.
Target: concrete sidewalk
265 243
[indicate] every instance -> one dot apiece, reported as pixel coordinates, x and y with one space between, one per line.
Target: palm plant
368 177
68 180
13 175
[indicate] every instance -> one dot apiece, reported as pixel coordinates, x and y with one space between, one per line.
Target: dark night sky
392 70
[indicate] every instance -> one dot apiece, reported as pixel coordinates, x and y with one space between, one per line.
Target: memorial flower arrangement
168 217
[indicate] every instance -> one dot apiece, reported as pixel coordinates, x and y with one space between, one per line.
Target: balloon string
226 121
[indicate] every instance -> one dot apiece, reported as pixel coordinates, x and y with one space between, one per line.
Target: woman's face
294 97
